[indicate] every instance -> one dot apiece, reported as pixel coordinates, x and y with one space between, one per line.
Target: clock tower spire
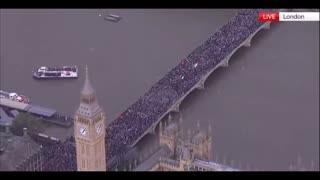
89 131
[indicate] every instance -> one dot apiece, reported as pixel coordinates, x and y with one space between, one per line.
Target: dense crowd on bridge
140 116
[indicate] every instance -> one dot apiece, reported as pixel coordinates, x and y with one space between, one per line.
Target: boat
113 18
64 72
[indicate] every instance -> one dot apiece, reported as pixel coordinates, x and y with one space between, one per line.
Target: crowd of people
139 117
60 156
56 155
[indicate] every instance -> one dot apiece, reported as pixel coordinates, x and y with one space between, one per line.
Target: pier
46 114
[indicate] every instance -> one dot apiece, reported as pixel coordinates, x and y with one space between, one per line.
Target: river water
264 107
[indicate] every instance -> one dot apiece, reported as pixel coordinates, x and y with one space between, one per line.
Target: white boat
111 19
64 72
114 16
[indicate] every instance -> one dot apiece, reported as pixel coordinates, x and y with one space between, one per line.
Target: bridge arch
246 43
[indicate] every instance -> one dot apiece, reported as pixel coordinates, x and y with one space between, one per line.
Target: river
264 107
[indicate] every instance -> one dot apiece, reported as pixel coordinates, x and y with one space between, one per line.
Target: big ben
89 131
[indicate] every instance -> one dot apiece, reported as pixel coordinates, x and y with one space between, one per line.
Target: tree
26 120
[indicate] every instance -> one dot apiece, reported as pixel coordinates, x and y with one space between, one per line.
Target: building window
83 164
83 120
87 149
85 100
82 149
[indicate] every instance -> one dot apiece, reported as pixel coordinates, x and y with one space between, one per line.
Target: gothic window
87 149
97 119
85 100
92 99
83 164
83 120
99 147
82 149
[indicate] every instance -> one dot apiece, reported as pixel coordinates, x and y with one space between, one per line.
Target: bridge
46 114
201 82
142 117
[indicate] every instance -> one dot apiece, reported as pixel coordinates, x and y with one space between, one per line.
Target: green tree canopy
26 120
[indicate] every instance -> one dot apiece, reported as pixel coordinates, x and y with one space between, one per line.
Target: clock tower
89 131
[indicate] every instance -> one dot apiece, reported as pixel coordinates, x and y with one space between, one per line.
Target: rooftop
41 111
15 149
214 166
87 88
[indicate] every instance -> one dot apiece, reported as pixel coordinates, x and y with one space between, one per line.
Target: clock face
99 128
83 131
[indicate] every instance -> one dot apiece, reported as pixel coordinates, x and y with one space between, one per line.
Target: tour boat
113 18
64 72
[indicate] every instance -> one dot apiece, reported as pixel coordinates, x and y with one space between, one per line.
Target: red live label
269 16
